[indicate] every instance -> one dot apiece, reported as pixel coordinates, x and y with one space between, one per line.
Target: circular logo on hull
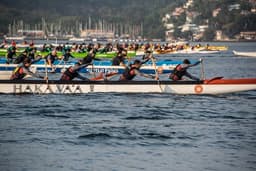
198 89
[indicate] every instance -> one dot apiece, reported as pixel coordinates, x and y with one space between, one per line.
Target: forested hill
135 12
141 16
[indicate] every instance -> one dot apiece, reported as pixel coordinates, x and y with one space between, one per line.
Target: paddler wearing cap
134 69
90 57
11 52
50 58
73 72
181 70
23 70
120 58
67 55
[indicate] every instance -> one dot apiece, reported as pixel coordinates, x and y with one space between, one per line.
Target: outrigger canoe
130 54
214 86
6 70
185 51
162 67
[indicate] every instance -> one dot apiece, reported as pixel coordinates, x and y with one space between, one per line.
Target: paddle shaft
158 81
202 69
94 74
46 70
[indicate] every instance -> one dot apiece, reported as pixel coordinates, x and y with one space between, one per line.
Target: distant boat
75 39
186 51
248 54
15 38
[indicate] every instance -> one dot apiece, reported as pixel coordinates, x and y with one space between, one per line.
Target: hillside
134 17
140 13
200 19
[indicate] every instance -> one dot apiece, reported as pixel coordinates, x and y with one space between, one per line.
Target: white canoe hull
5 75
78 87
246 54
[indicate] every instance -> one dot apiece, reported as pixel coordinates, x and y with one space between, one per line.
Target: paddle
46 71
102 76
202 69
94 74
64 66
154 65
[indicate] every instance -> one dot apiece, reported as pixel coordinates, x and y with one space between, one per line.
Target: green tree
209 35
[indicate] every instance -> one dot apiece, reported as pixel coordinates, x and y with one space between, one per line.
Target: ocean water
119 132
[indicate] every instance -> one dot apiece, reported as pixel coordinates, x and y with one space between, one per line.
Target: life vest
178 72
128 74
69 74
88 59
18 73
11 51
117 60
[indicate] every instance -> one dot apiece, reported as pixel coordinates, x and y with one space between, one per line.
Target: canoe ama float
214 86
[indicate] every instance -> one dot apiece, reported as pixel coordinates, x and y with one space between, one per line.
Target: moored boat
214 86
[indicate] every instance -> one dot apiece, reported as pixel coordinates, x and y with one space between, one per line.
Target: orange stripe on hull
231 81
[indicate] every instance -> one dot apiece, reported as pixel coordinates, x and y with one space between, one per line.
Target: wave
94 136
56 116
152 135
146 118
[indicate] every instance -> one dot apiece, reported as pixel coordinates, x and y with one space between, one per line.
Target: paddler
67 55
23 69
50 58
30 48
33 56
120 58
181 70
148 55
72 72
11 52
90 57
21 57
134 69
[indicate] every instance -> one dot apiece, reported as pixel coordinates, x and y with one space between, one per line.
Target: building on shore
97 34
31 33
248 35
220 36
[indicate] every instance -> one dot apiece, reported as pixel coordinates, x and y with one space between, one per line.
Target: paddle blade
101 76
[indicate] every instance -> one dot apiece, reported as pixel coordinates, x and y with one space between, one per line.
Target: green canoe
3 53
